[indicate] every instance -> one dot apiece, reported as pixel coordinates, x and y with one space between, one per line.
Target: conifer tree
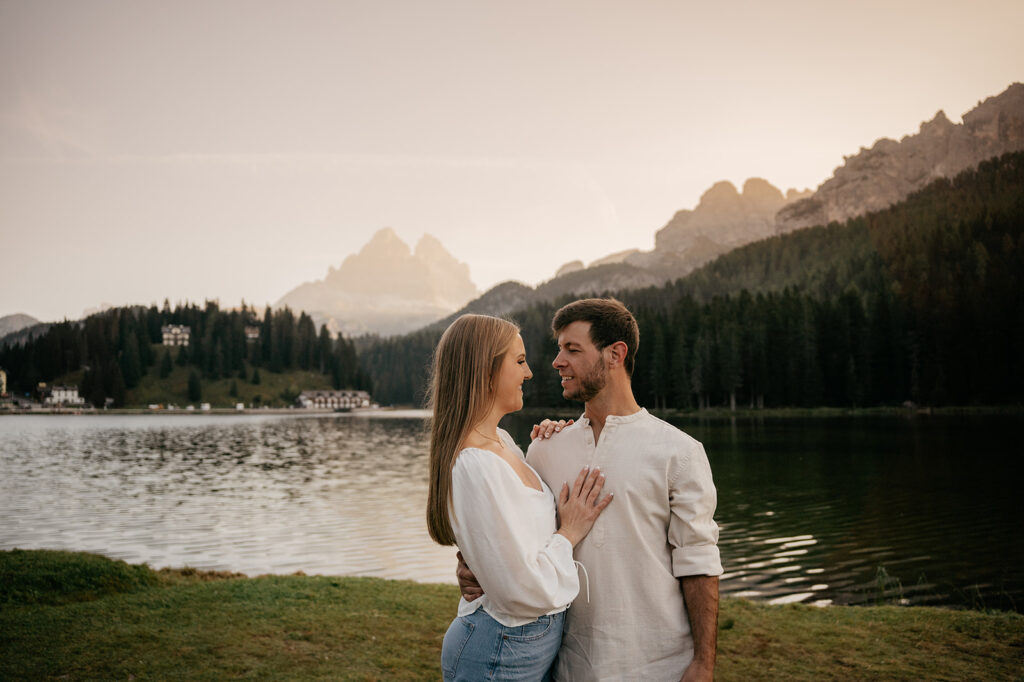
729 359
131 365
324 344
658 367
219 362
166 366
114 384
700 368
92 388
195 387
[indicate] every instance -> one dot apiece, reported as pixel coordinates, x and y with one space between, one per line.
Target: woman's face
513 371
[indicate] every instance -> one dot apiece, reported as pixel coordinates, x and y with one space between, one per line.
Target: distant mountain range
386 288
17 328
725 218
14 323
878 177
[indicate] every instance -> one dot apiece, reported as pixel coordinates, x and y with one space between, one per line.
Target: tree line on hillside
117 347
920 302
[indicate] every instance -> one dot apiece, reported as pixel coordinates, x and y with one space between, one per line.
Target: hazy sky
191 150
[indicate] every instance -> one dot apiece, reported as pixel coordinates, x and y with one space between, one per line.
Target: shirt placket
597 451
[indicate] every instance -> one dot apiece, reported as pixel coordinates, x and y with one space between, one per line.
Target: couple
649 606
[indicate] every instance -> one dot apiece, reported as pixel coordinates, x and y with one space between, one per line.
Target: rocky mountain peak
940 125
999 118
384 244
430 250
725 216
570 267
386 287
760 191
720 194
876 178
9 324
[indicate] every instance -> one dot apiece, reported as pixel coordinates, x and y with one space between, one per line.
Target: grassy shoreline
76 616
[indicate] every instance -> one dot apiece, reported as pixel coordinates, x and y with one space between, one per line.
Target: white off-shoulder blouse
506 533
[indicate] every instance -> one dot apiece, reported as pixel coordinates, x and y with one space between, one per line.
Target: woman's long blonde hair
466 360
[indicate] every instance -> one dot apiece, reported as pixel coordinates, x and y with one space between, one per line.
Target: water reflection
333 495
914 511
812 511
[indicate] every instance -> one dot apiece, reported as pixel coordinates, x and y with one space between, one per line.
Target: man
651 560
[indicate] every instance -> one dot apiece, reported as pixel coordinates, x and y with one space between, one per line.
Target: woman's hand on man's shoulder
548 428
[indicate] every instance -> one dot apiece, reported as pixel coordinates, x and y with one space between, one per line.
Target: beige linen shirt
659 527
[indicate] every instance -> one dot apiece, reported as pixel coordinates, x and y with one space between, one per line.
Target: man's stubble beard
591 384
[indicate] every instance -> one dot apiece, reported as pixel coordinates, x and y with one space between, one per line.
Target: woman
485 498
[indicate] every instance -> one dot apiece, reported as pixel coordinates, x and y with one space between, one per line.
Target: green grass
75 616
48 577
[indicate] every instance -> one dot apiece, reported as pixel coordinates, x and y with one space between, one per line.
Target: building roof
330 394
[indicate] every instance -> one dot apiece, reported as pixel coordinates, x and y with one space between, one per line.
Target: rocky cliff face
386 288
723 219
878 177
726 218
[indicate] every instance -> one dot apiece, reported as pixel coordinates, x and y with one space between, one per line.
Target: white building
176 334
333 399
252 333
62 395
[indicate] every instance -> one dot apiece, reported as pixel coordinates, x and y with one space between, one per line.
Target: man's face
579 363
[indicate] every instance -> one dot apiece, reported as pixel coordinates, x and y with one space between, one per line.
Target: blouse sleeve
522 572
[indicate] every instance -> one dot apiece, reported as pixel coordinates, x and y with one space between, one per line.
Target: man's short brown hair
610 322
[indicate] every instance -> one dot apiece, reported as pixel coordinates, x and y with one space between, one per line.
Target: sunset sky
192 150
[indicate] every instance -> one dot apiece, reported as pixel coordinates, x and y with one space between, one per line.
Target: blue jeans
477 647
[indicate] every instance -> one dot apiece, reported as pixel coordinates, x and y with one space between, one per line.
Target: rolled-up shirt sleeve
524 571
692 531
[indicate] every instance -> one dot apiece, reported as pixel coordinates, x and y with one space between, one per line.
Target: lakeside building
333 399
252 333
176 334
62 395
3 382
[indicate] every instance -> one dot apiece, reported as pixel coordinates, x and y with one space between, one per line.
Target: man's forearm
701 595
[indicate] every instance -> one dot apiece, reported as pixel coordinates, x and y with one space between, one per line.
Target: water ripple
816 512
